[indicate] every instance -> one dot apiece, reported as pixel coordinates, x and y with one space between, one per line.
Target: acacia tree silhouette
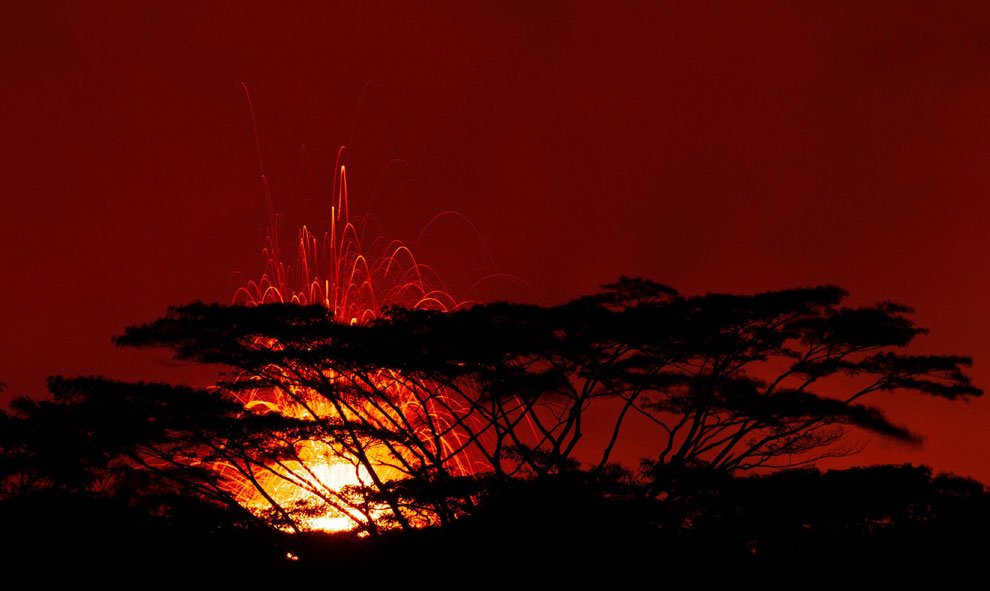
767 380
434 407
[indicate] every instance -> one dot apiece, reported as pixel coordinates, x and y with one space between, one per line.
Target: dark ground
889 525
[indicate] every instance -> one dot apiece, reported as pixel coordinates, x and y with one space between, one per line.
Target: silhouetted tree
108 476
772 379
431 409
733 382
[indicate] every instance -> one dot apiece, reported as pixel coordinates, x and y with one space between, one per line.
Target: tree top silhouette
734 381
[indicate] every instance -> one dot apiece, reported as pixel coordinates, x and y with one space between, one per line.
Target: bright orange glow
355 281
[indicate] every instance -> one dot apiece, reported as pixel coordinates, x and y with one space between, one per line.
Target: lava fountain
356 279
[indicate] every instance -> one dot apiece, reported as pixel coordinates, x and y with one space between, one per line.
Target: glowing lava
355 281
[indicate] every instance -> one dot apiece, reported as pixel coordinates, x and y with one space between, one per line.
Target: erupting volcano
357 277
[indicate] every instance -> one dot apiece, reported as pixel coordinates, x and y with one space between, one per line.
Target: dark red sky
715 147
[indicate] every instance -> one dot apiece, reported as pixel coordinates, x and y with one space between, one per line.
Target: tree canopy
427 409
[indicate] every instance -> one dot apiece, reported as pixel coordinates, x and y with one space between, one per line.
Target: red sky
715 147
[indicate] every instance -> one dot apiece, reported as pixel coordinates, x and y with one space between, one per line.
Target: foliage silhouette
734 382
473 420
